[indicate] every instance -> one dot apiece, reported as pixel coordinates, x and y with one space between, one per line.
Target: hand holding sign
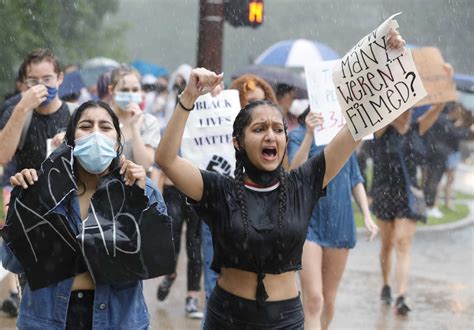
376 81
132 173
25 178
313 120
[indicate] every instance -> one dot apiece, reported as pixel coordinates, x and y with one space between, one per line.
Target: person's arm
337 152
142 153
312 120
11 133
186 177
358 192
341 147
427 119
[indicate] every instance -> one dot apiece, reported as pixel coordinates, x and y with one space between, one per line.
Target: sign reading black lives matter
207 139
375 84
118 240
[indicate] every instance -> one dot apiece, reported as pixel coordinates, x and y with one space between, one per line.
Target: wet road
441 291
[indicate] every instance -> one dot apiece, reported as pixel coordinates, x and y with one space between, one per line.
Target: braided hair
241 122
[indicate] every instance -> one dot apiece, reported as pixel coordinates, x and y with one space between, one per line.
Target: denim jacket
115 306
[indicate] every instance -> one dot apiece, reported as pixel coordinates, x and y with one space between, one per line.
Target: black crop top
263 251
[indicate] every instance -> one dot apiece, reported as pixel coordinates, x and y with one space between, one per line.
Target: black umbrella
275 76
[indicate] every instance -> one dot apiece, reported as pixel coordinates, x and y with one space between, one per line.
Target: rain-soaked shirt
42 128
332 223
120 306
270 247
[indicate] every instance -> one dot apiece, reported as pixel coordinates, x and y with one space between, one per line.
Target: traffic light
244 12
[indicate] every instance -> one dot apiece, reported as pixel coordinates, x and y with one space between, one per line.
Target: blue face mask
52 92
122 99
95 152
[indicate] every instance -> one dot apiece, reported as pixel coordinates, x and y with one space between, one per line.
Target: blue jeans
210 276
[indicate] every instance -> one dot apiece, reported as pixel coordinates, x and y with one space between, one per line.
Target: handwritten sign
42 240
375 84
323 99
439 85
207 139
118 240
123 238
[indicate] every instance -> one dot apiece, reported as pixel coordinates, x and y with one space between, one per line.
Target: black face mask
260 177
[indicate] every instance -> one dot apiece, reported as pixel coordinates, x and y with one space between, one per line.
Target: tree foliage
73 29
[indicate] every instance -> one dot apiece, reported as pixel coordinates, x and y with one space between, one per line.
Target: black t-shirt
263 251
42 127
388 171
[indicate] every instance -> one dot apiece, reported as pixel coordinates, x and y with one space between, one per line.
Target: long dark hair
301 118
76 116
241 122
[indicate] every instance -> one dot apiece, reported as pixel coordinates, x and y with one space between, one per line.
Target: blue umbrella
296 53
149 68
71 85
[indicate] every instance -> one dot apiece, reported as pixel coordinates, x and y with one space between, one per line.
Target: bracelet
182 106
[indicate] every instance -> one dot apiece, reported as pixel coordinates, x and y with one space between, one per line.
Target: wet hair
249 82
117 74
37 56
241 122
76 116
103 82
283 89
301 118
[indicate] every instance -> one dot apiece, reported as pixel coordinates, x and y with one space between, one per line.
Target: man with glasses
27 123
28 127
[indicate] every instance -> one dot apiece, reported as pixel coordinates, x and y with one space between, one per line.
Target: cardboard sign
207 139
375 84
439 85
118 240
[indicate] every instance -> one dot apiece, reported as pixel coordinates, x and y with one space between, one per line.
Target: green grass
460 211
461 195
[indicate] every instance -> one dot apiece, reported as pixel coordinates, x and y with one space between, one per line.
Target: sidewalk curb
467 221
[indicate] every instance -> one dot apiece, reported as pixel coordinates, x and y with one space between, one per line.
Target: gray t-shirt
150 133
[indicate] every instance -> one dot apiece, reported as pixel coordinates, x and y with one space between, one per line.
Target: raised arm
183 173
429 118
338 151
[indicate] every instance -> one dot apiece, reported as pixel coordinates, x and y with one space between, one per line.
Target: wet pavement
441 289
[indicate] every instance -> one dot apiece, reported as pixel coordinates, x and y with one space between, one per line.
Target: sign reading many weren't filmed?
374 83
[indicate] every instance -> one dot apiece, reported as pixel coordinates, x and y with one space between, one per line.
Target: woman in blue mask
141 131
78 302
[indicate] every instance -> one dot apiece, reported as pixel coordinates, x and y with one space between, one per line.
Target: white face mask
123 99
160 103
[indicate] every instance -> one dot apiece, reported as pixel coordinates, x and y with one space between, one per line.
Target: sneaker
191 308
164 287
11 304
401 307
434 212
386 295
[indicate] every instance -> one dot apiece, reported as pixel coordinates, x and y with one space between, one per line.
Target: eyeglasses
47 80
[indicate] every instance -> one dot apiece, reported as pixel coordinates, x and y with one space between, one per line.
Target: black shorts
228 311
390 203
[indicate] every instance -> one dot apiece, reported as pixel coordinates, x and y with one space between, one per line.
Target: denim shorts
228 311
453 160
